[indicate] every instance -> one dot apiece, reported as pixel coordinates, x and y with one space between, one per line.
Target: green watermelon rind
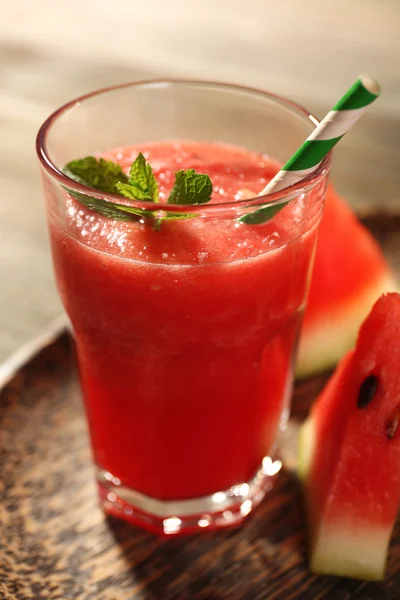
358 555
321 346
305 449
361 555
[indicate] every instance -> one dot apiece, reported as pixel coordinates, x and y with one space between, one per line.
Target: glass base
174 517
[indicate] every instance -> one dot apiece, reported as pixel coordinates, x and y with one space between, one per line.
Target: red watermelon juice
185 338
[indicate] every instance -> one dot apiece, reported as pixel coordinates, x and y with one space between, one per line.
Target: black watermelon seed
367 391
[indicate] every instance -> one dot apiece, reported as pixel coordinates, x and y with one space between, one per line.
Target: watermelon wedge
349 458
350 273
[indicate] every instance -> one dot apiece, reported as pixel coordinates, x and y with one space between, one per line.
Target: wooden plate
56 543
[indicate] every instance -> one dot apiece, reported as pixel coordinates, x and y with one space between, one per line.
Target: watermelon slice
350 453
350 273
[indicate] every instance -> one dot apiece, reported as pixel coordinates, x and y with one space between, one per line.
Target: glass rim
272 198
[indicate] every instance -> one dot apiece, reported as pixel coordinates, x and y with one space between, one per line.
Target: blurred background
52 51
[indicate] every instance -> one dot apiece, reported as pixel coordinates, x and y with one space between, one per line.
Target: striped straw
324 137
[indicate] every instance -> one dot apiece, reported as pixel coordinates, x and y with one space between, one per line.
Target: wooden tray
56 543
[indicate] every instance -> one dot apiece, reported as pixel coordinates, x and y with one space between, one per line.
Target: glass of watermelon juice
185 332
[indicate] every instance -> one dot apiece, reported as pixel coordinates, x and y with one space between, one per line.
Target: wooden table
52 51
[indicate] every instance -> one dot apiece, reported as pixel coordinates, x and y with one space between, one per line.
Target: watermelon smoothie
185 336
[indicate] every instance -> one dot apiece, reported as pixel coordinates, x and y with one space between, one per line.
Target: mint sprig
190 188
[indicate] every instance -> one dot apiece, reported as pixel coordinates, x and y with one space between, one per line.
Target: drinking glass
186 335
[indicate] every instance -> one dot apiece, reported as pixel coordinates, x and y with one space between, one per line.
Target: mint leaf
111 210
106 176
172 217
190 188
180 216
141 176
262 214
132 191
96 173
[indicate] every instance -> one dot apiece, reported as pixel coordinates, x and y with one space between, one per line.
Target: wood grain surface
53 51
55 542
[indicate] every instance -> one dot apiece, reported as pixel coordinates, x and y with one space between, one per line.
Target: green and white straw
325 136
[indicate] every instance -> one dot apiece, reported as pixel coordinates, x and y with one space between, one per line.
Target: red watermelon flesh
350 273
350 453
